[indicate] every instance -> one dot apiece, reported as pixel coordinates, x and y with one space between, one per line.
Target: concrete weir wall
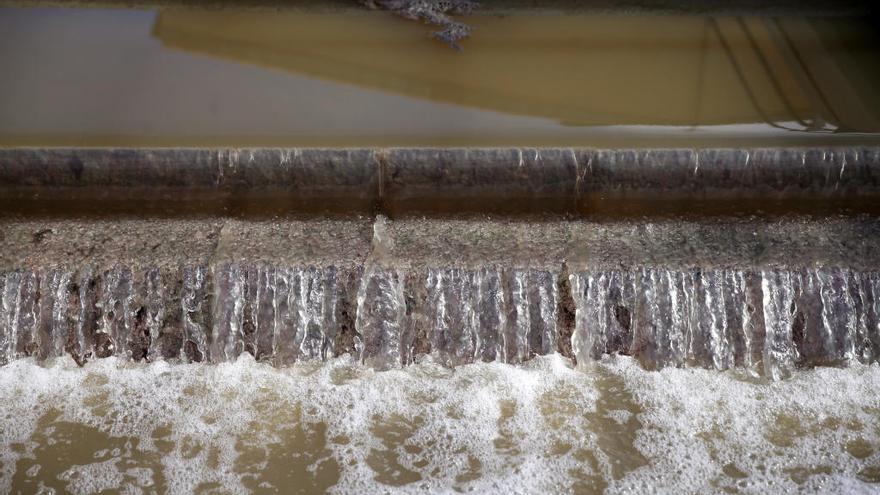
413 181
767 259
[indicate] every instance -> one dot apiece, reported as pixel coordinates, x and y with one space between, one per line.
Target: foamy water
494 428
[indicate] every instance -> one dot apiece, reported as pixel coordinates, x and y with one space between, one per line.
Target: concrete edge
477 180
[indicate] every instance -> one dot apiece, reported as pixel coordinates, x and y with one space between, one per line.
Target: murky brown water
485 428
132 78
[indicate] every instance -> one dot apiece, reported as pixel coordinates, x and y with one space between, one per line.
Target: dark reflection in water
126 77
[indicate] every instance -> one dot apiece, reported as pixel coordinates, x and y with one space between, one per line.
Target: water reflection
578 70
191 77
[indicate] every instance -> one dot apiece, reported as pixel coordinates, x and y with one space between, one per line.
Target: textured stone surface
544 243
417 181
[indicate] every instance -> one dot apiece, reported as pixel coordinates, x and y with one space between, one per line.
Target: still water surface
190 77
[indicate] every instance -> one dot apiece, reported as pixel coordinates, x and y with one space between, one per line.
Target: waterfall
381 305
774 318
154 309
452 307
770 320
193 305
52 323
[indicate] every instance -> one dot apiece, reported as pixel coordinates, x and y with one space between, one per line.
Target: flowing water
737 372
117 426
768 321
236 376
485 403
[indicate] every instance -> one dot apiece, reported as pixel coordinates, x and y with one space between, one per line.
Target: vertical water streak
679 330
310 306
739 317
838 314
27 315
695 301
86 322
605 314
621 315
754 299
451 315
195 329
124 325
284 350
602 324
381 308
329 326
780 352
436 309
491 317
3 324
809 332
872 324
867 332
542 317
699 353
115 299
715 310
586 316
46 283
9 315
264 313
515 343
53 324
155 312
414 339
381 305
654 315
250 300
227 338
464 285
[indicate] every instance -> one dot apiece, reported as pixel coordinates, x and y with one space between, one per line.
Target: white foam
494 428
697 424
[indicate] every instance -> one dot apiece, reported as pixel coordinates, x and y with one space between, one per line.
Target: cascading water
726 318
380 305
447 410
770 320
676 292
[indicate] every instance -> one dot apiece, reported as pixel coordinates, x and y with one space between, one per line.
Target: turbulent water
539 427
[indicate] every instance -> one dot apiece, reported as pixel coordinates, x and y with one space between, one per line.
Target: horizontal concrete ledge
403 181
420 243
